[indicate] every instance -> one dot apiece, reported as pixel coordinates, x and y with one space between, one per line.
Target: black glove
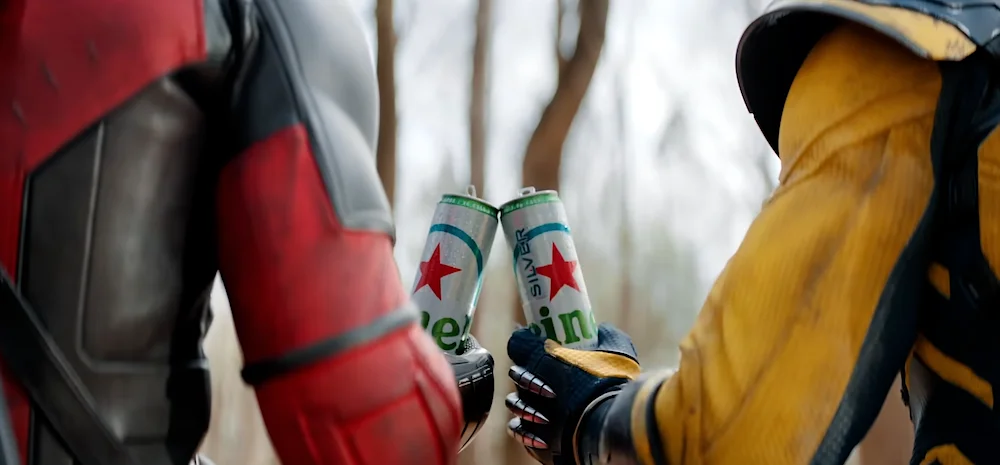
474 374
556 386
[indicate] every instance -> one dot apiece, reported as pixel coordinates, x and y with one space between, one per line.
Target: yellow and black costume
877 254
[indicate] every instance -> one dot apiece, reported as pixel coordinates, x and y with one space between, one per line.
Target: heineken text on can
548 275
451 271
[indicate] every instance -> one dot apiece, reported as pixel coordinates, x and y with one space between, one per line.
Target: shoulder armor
776 44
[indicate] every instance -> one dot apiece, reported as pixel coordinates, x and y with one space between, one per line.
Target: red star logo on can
560 273
432 271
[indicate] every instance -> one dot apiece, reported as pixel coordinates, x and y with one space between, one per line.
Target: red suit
144 145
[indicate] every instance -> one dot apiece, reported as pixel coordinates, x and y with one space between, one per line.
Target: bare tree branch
543 156
477 105
385 62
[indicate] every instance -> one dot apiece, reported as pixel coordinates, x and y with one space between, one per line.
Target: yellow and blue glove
558 387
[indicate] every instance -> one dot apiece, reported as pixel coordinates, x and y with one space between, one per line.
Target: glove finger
613 340
517 431
524 346
522 410
529 382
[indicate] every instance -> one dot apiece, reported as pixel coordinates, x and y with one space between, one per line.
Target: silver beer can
548 274
450 277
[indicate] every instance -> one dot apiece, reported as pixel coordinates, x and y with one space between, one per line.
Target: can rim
464 201
527 200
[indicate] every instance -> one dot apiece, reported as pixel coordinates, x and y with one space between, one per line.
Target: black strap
52 384
258 372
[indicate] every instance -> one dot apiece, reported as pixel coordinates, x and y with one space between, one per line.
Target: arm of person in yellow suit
795 348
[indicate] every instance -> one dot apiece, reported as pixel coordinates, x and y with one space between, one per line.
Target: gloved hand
474 374
556 386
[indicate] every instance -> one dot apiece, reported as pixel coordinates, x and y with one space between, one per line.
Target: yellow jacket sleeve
765 374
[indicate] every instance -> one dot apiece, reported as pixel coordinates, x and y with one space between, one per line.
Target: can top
471 203
528 197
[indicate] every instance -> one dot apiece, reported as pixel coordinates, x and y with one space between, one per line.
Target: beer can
447 285
549 278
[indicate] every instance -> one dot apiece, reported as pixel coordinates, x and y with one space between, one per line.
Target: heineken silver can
447 285
548 274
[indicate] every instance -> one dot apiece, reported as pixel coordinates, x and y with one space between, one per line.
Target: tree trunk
543 156
385 62
478 97
477 107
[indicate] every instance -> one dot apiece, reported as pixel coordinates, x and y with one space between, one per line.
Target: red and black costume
146 145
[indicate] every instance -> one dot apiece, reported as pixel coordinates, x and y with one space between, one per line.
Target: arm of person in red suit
342 371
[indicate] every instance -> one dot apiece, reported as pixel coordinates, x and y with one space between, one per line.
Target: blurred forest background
629 108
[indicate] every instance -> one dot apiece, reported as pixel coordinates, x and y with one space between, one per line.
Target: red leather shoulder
66 63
